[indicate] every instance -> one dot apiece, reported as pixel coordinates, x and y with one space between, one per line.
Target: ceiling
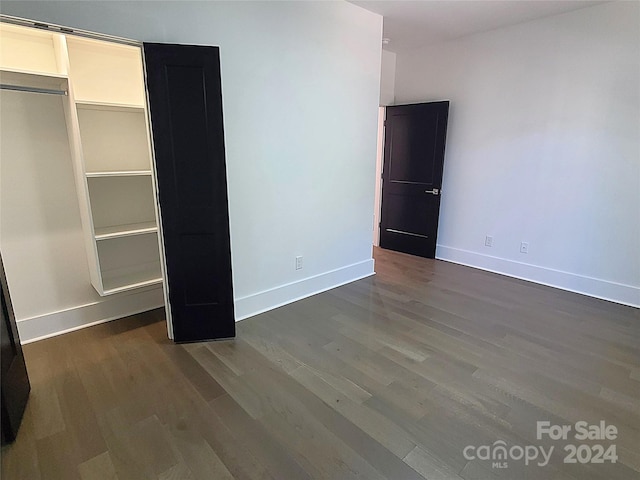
417 23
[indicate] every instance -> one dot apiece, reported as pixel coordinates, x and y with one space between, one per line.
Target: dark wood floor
388 377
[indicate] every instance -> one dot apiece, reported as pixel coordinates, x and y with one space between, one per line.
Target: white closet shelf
117 231
134 277
26 78
117 107
119 173
122 284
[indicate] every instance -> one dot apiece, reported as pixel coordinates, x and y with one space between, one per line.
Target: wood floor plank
318 450
202 461
186 415
429 466
47 409
57 457
274 352
177 472
377 426
204 383
346 428
241 392
20 459
255 438
343 385
99 467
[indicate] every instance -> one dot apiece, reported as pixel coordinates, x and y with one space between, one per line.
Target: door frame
377 207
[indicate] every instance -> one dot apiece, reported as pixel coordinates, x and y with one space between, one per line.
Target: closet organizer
109 137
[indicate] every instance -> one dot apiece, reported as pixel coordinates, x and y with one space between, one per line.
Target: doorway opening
378 192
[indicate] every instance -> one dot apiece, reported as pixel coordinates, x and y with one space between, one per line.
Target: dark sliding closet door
185 99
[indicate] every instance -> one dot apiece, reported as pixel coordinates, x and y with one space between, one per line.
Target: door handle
434 191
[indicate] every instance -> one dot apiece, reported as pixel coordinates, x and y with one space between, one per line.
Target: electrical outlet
488 241
524 247
299 262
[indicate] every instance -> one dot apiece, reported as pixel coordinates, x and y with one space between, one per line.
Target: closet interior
105 110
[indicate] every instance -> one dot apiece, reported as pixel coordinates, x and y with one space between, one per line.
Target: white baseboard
276 297
593 287
109 308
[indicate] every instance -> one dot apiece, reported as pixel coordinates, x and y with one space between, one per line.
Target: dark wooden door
412 177
185 99
14 379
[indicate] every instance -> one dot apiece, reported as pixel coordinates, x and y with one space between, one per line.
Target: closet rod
20 88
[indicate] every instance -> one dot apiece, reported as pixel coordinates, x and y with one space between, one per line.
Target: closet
118 161
106 119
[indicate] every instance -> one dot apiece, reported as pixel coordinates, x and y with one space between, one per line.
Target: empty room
315 239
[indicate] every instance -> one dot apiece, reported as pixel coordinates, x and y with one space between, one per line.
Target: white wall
388 78
301 84
40 232
543 147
